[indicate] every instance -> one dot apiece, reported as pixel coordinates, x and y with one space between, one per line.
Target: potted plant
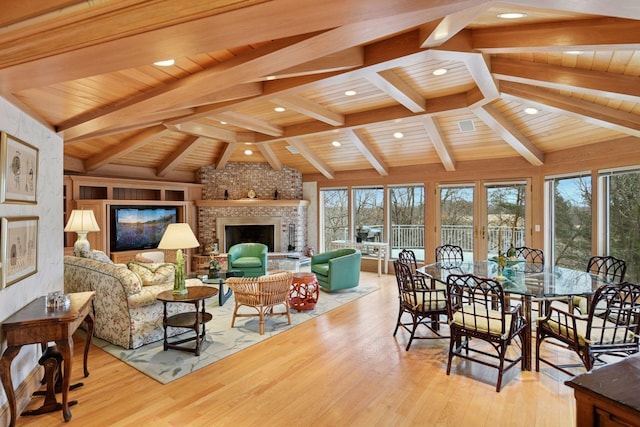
214 266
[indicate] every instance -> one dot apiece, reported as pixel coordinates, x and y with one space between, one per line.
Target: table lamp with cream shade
178 237
82 221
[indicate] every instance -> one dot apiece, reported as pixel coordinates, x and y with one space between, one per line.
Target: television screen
139 227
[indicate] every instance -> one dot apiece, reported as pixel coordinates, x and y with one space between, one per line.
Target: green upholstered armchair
251 258
339 269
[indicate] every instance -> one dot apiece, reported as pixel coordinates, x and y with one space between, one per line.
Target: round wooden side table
304 291
194 320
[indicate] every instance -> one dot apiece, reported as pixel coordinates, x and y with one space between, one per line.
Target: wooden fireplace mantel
250 202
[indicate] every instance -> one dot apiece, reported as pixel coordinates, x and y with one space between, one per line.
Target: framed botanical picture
19 249
19 166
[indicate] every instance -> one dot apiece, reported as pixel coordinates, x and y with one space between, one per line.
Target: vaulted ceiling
86 69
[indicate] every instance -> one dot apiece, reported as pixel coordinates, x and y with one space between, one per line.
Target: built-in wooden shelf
249 202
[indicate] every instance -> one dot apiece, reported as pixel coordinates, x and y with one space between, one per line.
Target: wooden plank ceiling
86 69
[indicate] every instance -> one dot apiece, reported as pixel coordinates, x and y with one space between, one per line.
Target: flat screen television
139 227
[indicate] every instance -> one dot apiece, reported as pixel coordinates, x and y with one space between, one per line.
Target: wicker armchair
262 294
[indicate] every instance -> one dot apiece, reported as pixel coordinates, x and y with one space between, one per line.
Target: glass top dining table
525 279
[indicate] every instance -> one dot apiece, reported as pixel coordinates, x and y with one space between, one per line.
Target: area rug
221 340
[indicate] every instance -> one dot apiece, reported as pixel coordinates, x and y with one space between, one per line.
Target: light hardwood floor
341 369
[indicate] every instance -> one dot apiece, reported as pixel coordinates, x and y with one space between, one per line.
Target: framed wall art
19 166
19 249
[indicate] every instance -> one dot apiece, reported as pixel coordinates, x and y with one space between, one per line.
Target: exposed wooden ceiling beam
306 152
136 122
598 83
512 136
359 139
226 155
597 114
310 109
439 143
450 25
234 93
339 61
207 131
391 84
125 147
588 34
247 122
623 8
184 149
270 157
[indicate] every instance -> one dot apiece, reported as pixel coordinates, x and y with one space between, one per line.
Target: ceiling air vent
292 149
466 126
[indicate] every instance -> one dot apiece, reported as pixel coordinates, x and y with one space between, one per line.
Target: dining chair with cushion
611 327
610 268
261 294
408 257
477 311
449 254
424 305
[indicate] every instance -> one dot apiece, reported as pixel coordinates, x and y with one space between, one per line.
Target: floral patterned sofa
126 310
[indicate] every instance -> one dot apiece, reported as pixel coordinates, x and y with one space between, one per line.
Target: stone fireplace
244 195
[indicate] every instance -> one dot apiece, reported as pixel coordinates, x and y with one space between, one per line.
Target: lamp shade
82 221
178 236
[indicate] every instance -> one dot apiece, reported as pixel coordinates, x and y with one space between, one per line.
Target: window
368 214
621 218
407 219
334 219
570 221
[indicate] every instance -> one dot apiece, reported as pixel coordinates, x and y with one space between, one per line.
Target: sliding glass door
457 218
505 217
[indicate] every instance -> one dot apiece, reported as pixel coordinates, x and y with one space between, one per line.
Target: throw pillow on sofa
98 256
153 274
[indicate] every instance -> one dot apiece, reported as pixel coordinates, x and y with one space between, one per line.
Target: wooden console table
380 248
608 396
35 324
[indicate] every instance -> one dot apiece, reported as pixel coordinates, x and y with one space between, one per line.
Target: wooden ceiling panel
87 71
534 15
367 96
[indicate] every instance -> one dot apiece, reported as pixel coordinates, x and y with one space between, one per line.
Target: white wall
310 192
49 210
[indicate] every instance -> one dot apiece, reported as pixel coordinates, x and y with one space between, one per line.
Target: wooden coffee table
191 320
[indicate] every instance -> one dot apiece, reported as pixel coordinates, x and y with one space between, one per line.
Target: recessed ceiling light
574 52
350 92
223 123
531 110
439 72
336 143
165 63
398 135
248 152
511 15
279 109
271 77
